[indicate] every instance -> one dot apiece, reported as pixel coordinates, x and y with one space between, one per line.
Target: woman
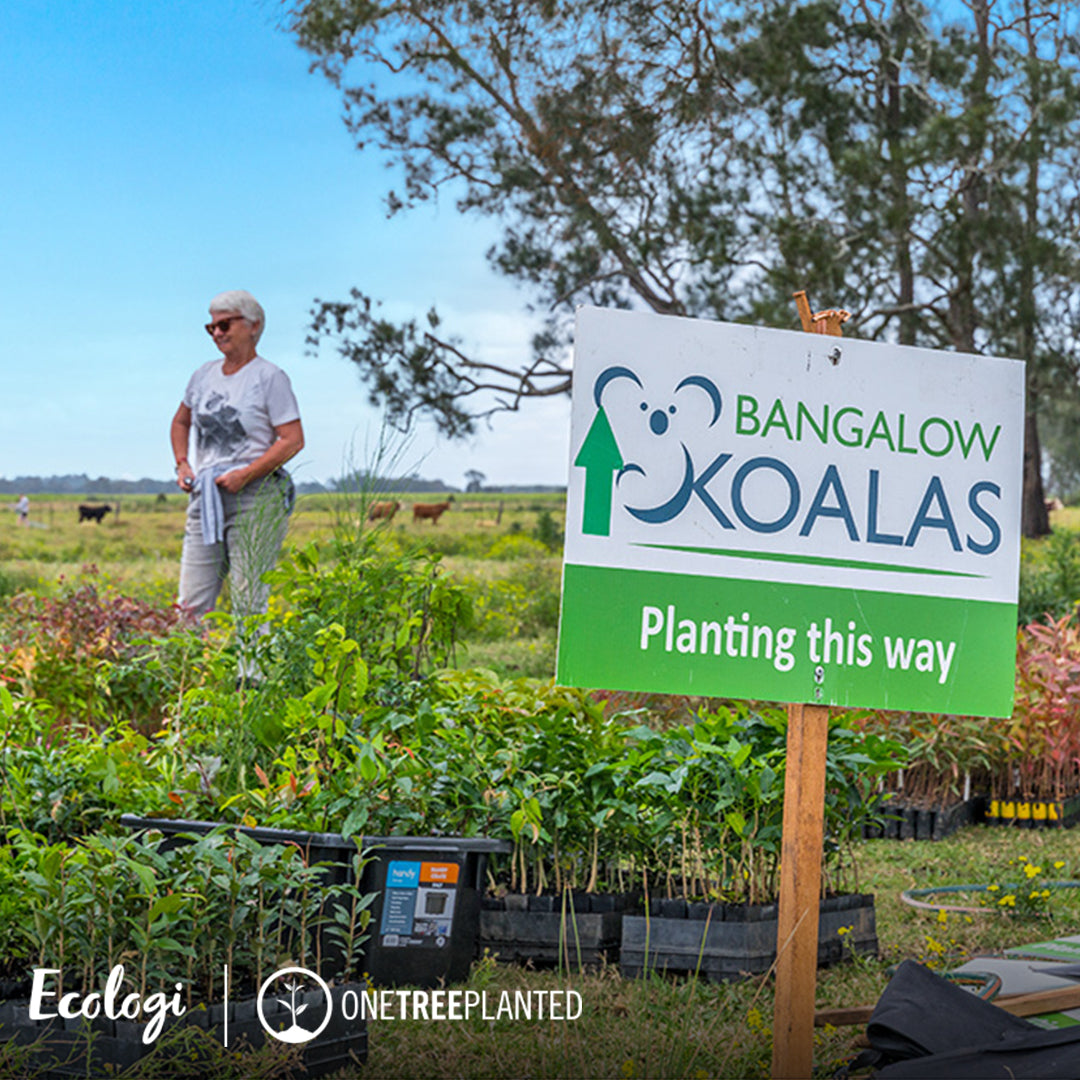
247 425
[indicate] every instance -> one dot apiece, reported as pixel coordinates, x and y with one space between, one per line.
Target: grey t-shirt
234 416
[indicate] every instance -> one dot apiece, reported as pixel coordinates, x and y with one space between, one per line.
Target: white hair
243 303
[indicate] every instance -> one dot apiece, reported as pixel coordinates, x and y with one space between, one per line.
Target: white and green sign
767 514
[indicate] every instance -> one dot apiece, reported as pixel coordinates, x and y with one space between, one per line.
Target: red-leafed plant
1042 744
65 651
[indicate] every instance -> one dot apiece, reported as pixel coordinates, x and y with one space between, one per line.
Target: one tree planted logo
767 514
304 1020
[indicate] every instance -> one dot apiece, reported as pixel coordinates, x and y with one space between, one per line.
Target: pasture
165 731
505 547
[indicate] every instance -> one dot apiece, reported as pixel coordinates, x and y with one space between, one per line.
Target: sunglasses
223 324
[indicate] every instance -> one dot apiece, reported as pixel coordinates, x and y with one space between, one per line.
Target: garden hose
911 897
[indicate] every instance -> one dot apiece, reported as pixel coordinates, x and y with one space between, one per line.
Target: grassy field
484 539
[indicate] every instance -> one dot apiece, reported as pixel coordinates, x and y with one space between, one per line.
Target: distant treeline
105 485
83 485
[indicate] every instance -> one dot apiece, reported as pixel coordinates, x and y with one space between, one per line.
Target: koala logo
600 456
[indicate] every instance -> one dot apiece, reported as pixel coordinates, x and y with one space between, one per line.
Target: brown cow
383 510
431 511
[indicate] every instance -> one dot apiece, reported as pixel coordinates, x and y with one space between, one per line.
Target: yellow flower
1007 901
1058 864
1034 895
845 930
992 888
628 1069
942 916
1032 871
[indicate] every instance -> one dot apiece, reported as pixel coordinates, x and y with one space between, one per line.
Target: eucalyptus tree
589 130
917 166
942 157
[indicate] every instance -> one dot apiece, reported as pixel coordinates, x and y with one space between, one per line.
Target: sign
767 514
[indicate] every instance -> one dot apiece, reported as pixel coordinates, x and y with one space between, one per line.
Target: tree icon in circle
295 1033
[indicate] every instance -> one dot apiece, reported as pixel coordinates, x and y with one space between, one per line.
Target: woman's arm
288 443
179 435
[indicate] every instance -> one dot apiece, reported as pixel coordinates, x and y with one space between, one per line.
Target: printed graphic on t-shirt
219 427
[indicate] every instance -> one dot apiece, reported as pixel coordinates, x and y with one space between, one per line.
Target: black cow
93 513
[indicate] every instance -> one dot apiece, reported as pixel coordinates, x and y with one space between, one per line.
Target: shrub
57 649
401 609
1042 739
523 604
1049 577
547 531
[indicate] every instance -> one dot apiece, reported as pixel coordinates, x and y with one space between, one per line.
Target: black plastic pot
62 1049
905 822
584 930
426 916
737 941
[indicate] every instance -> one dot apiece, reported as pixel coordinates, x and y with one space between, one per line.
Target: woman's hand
234 480
185 476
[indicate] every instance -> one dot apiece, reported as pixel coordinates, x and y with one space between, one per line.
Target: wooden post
803 305
800 892
802 844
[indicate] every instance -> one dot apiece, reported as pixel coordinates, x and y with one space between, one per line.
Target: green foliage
184 911
1049 577
712 795
16 916
59 649
547 531
522 604
13 581
587 802
401 610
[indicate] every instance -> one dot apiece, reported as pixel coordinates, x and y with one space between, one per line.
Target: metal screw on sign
802 841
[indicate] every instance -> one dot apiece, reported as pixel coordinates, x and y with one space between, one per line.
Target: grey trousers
255 522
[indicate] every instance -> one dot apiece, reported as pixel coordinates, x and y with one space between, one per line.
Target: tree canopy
708 159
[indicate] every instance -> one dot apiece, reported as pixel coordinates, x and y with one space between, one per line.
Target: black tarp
925 1027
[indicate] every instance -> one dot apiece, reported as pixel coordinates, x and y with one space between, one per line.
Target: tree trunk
1035 520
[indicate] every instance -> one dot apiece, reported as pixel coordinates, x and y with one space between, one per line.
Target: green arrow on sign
599 456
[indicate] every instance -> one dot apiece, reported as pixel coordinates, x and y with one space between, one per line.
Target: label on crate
418 904
786 516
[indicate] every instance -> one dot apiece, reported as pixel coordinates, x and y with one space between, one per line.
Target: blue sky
157 153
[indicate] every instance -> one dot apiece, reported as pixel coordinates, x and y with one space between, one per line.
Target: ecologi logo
290 981
602 460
